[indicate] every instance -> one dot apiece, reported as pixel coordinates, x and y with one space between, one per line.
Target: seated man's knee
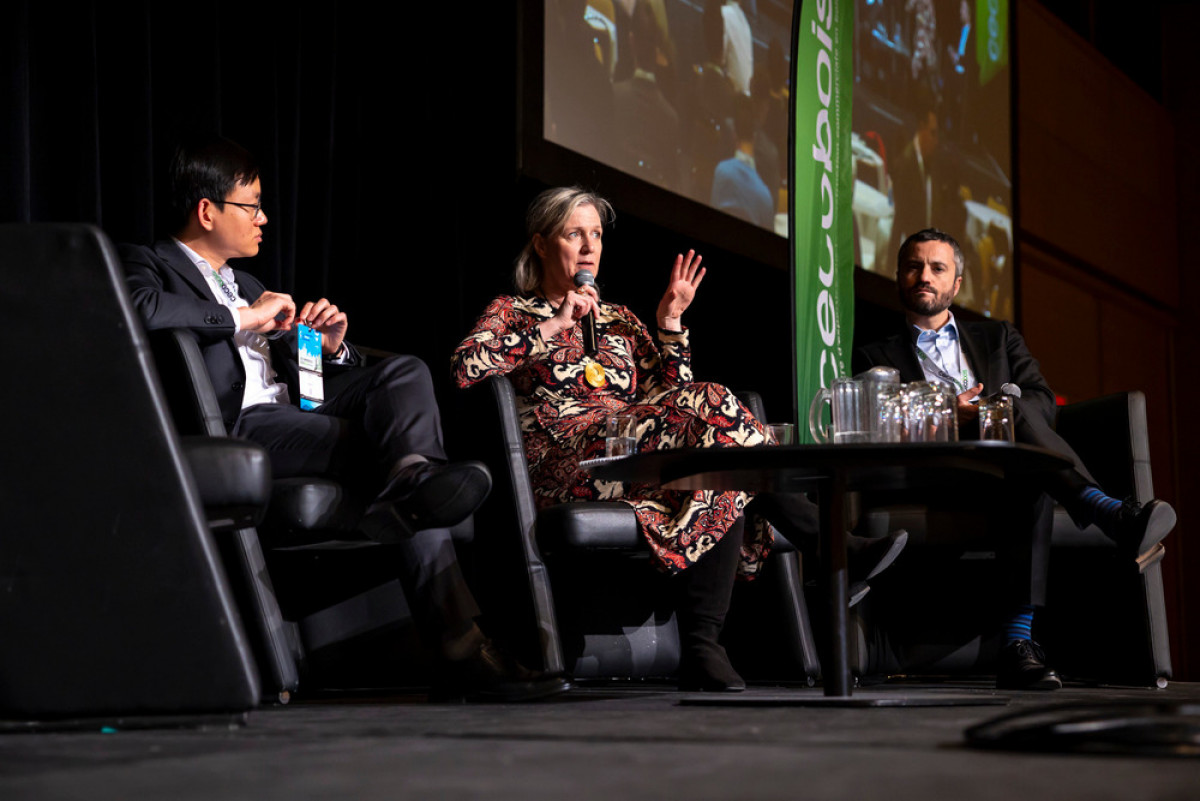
404 369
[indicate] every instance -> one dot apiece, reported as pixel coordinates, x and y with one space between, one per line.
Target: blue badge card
312 387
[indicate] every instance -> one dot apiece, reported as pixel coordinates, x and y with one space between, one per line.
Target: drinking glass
996 419
783 433
620 435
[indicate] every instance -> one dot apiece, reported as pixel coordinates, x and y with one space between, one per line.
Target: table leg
833 554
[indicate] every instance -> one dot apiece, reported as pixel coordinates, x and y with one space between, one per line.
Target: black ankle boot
704 590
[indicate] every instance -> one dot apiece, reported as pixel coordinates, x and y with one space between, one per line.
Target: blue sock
1020 625
1103 507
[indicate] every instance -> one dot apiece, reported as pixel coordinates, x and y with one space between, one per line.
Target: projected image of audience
931 137
687 96
691 96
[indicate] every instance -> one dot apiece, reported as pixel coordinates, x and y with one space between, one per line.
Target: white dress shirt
941 356
261 384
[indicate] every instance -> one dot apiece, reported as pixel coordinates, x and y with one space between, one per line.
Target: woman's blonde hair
547 216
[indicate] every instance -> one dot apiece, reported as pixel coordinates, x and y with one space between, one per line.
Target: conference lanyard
960 385
233 298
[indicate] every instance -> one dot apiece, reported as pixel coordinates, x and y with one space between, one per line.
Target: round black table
832 471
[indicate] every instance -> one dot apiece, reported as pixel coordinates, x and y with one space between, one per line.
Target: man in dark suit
380 433
990 357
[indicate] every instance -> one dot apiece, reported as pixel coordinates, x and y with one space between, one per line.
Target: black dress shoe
427 495
1139 528
856 592
491 674
1022 666
867 557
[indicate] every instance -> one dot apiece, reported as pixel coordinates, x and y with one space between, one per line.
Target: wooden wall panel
1136 354
1096 175
1061 324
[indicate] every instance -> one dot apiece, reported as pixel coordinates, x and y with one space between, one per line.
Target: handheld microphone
1011 390
588 321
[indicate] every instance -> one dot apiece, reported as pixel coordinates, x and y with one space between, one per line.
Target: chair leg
804 648
274 640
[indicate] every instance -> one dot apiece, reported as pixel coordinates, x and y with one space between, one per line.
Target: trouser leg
301 443
796 517
393 408
441 604
1064 486
1018 517
1022 529
379 416
394 405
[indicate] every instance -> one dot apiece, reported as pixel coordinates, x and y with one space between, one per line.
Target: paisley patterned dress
563 418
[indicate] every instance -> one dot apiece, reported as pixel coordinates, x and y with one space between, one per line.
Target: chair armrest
492 427
233 477
497 433
186 383
597 525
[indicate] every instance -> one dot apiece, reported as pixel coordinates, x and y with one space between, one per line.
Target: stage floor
606 741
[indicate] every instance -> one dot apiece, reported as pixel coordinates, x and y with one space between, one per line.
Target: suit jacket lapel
902 352
178 261
249 287
975 346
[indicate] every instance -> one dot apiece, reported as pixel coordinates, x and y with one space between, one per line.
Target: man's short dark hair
932 235
207 167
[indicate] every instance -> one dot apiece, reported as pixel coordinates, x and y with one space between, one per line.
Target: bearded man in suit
988 357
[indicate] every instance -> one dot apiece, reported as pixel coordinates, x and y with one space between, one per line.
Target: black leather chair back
1106 617
113 600
938 610
310 585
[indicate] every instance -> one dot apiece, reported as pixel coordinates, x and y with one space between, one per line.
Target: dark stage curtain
368 128
100 93
387 138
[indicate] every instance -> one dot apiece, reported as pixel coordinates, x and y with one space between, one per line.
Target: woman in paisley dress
565 396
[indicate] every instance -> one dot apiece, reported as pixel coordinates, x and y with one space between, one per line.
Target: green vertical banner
822 191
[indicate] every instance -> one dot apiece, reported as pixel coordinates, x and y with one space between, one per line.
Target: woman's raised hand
686 275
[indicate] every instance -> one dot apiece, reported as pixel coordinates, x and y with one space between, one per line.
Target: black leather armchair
1105 618
1108 614
113 600
307 579
607 612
